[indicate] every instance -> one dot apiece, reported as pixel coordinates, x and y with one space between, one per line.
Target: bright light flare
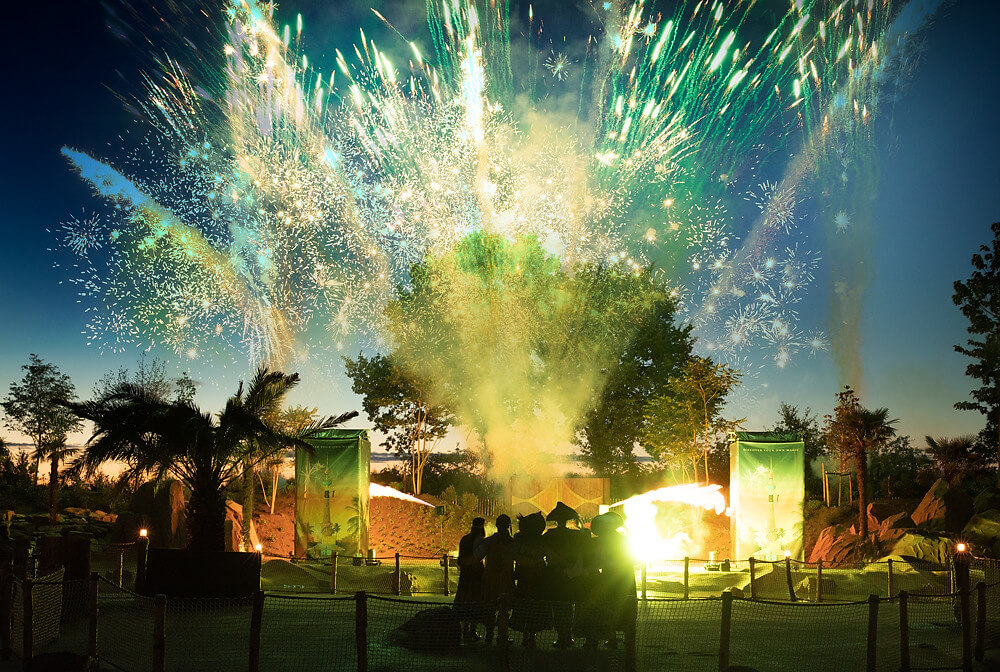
647 540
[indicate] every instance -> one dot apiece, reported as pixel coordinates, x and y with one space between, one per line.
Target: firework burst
272 206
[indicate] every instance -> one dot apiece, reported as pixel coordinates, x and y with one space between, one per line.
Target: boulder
806 588
983 532
234 526
944 508
837 546
126 527
986 500
75 511
923 546
161 506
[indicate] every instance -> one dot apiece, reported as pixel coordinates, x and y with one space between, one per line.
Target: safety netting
308 633
776 637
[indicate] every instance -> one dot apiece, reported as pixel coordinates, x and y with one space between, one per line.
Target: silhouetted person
498 577
530 613
562 555
615 589
469 595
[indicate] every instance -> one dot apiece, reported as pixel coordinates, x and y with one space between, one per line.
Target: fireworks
270 207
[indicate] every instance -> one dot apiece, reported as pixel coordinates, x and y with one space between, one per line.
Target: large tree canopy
32 407
533 352
403 407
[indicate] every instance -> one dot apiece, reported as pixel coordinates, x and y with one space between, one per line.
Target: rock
98 514
837 545
434 629
923 546
944 508
161 507
75 511
126 527
983 532
806 588
986 500
234 526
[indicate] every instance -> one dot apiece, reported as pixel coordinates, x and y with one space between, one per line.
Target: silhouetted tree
805 423
954 458
979 300
32 408
179 440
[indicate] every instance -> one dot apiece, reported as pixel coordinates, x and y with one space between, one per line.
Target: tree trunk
54 488
206 517
861 464
274 488
248 502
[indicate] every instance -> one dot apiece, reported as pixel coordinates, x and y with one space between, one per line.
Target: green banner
331 494
767 490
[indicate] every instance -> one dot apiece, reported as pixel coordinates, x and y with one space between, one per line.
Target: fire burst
652 540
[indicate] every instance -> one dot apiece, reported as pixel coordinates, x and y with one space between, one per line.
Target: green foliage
32 407
176 439
897 468
979 300
648 359
401 405
151 375
805 423
529 353
685 421
955 458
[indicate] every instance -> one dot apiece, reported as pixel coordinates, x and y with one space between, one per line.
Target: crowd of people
567 578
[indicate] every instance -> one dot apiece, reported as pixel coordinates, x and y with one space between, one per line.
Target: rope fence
122 630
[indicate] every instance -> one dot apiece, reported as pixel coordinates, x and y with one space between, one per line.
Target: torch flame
646 539
376 490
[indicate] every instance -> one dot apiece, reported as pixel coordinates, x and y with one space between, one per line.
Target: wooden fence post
892 585
6 604
447 575
644 579
92 588
159 632
788 580
27 621
964 598
687 577
361 629
397 578
256 621
819 580
870 661
753 579
980 651
333 573
141 553
904 631
725 631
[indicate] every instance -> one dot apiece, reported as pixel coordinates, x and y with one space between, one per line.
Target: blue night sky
939 192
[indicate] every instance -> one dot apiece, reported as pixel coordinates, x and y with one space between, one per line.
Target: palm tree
954 457
177 439
55 452
854 430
